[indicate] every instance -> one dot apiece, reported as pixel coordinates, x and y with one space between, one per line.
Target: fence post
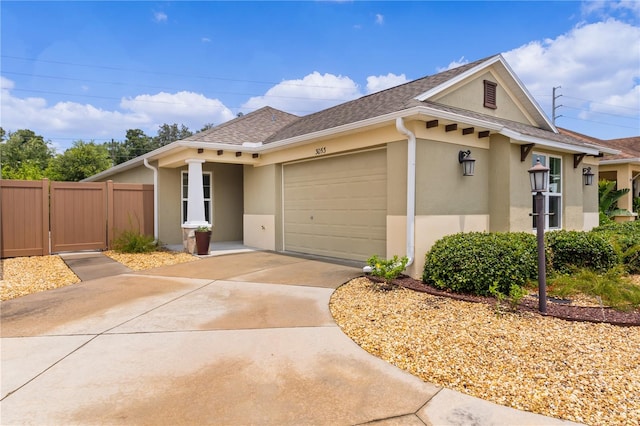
46 234
110 213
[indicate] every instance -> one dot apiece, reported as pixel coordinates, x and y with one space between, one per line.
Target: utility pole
554 107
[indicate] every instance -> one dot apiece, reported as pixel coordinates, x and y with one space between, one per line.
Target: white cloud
379 19
188 108
205 40
312 93
454 64
160 17
66 120
625 9
381 82
596 64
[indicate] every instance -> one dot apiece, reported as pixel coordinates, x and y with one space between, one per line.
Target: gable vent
490 94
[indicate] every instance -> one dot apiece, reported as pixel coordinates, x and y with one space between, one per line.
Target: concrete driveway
230 340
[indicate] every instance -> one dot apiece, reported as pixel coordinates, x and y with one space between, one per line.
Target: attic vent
490 94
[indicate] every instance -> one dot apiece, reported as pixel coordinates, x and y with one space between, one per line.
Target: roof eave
519 137
621 161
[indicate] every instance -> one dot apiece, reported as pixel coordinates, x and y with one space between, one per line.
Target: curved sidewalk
229 340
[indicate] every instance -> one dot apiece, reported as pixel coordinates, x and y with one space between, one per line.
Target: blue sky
91 70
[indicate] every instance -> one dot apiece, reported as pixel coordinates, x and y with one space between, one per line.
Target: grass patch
134 242
613 288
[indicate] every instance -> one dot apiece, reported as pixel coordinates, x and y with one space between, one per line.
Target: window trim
548 194
184 200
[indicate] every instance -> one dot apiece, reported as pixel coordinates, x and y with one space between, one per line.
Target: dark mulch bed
554 308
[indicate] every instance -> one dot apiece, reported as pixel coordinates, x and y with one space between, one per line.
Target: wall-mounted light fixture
468 163
587 176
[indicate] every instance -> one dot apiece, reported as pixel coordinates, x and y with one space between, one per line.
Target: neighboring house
622 167
376 175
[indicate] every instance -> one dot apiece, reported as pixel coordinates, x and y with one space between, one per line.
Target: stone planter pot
202 242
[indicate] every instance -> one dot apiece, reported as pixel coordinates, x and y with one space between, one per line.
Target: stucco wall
169 205
228 201
470 96
262 207
441 189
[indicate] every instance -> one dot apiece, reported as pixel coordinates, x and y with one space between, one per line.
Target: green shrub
389 269
477 261
611 287
571 249
134 242
625 239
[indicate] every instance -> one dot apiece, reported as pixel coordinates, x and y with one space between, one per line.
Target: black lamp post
539 176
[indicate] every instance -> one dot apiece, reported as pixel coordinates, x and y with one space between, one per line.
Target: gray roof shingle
253 127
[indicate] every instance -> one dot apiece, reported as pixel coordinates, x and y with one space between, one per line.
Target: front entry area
337 206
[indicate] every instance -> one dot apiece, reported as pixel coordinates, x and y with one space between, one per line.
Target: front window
206 187
553 196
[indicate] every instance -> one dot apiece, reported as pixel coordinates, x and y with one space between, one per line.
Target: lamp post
539 176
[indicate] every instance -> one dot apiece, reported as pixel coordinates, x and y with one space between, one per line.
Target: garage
337 206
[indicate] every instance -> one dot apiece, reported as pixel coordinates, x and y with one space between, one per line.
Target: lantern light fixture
468 163
587 175
539 176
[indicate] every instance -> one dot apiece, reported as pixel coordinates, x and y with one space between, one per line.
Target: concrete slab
184 345
451 408
24 358
224 267
91 307
238 305
273 377
93 265
306 273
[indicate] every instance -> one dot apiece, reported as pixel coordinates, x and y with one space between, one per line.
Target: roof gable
254 127
465 90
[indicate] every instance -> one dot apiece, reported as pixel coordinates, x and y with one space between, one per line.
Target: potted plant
203 237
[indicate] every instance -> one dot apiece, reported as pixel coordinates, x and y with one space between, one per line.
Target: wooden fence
42 217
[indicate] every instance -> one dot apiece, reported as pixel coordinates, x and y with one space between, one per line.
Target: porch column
195 205
195 196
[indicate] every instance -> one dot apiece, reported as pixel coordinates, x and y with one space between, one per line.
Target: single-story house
622 167
382 174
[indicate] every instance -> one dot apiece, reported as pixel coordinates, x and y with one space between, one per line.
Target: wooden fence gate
38 217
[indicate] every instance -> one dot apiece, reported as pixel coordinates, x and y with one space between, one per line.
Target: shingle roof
269 125
629 147
253 127
384 102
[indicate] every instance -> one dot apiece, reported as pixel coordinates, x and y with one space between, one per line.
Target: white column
195 196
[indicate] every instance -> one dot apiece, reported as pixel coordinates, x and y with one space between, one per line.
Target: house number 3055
321 150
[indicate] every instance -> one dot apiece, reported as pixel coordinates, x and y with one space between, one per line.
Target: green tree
207 127
22 153
82 160
168 133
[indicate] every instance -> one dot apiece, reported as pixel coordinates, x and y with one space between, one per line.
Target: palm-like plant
608 199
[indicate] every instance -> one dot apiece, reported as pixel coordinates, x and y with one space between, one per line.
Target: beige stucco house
377 175
622 166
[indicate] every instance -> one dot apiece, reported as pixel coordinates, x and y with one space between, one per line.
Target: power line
167 73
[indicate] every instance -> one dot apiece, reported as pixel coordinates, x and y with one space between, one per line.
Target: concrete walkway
229 340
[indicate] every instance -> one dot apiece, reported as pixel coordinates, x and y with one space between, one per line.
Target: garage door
337 206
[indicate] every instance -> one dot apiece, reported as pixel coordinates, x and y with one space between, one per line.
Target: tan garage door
337 206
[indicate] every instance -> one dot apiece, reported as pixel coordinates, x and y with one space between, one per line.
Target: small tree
82 160
608 199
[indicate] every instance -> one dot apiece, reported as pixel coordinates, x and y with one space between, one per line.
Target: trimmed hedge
473 262
476 262
576 249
